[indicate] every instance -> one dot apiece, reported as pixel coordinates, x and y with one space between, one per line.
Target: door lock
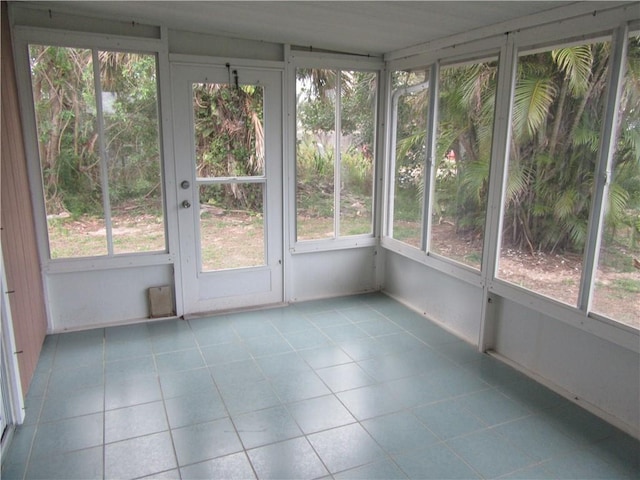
185 184
186 204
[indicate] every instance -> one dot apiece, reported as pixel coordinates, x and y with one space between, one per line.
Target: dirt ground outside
237 239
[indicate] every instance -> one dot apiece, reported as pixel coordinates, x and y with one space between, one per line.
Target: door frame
188 278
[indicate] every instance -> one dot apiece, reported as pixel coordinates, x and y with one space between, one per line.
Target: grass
629 285
237 240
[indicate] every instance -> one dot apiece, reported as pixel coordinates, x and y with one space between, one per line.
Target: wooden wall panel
18 238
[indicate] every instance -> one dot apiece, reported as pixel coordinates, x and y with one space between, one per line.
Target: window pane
65 107
315 153
357 120
130 111
617 287
463 152
408 189
229 130
231 226
558 107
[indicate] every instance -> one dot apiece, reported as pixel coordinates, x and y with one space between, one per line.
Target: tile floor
355 387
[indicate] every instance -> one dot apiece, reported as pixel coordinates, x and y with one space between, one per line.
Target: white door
228 145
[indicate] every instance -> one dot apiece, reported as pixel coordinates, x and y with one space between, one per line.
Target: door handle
186 204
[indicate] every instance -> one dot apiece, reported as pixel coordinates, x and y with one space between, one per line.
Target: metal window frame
338 64
586 28
23 37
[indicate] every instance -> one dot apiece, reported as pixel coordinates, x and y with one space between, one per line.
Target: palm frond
565 204
576 63
532 100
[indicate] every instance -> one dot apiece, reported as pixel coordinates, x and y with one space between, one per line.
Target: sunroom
351 221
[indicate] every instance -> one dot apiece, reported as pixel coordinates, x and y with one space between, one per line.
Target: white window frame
327 61
614 24
23 36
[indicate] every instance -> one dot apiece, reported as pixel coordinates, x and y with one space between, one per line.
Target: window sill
437 262
70 265
598 325
310 246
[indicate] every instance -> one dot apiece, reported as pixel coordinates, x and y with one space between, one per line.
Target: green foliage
319 122
66 113
557 113
230 140
627 284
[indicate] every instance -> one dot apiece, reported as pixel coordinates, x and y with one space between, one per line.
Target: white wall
602 376
450 302
596 373
330 273
102 297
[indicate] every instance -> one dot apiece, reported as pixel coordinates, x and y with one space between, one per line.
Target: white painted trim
498 174
335 60
8 350
288 169
604 168
99 41
108 263
169 178
339 243
184 59
430 153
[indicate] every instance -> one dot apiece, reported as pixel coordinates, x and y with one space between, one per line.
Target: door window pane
411 112
231 226
77 151
556 124
229 142
463 152
617 280
229 130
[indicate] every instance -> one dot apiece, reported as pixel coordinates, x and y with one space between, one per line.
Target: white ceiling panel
374 27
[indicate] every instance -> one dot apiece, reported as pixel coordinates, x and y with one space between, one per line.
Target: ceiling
374 27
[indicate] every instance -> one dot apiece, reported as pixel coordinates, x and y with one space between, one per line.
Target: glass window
334 172
466 97
99 154
557 114
230 155
617 281
410 110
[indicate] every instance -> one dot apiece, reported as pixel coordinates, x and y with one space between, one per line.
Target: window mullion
430 154
391 170
337 163
104 170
